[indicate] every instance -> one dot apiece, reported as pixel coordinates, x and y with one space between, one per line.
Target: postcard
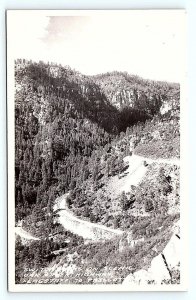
97 193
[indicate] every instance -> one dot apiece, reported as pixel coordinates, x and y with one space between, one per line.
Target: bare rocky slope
163 267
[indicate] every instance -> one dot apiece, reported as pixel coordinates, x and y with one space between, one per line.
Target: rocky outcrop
164 268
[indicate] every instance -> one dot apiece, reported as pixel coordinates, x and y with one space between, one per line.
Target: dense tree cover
71 134
99 206
62 136
62 125
157 199
55 143
156 138
38 254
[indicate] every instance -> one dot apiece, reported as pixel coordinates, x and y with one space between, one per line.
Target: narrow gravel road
133 176
24 234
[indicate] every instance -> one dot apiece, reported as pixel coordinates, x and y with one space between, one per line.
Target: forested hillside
72 133
63 121
59 126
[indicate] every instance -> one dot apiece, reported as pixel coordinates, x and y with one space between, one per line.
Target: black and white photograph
96 116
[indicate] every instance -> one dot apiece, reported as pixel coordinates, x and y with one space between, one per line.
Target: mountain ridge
114 90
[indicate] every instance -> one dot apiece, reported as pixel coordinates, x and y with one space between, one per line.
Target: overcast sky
149 44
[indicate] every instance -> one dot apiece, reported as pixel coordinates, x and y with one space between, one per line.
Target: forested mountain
64 119
57 131
72 133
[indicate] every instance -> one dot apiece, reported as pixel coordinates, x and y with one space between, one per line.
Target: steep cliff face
124 90
113 100
164 268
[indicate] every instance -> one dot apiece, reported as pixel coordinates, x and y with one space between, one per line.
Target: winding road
88 230
25 235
